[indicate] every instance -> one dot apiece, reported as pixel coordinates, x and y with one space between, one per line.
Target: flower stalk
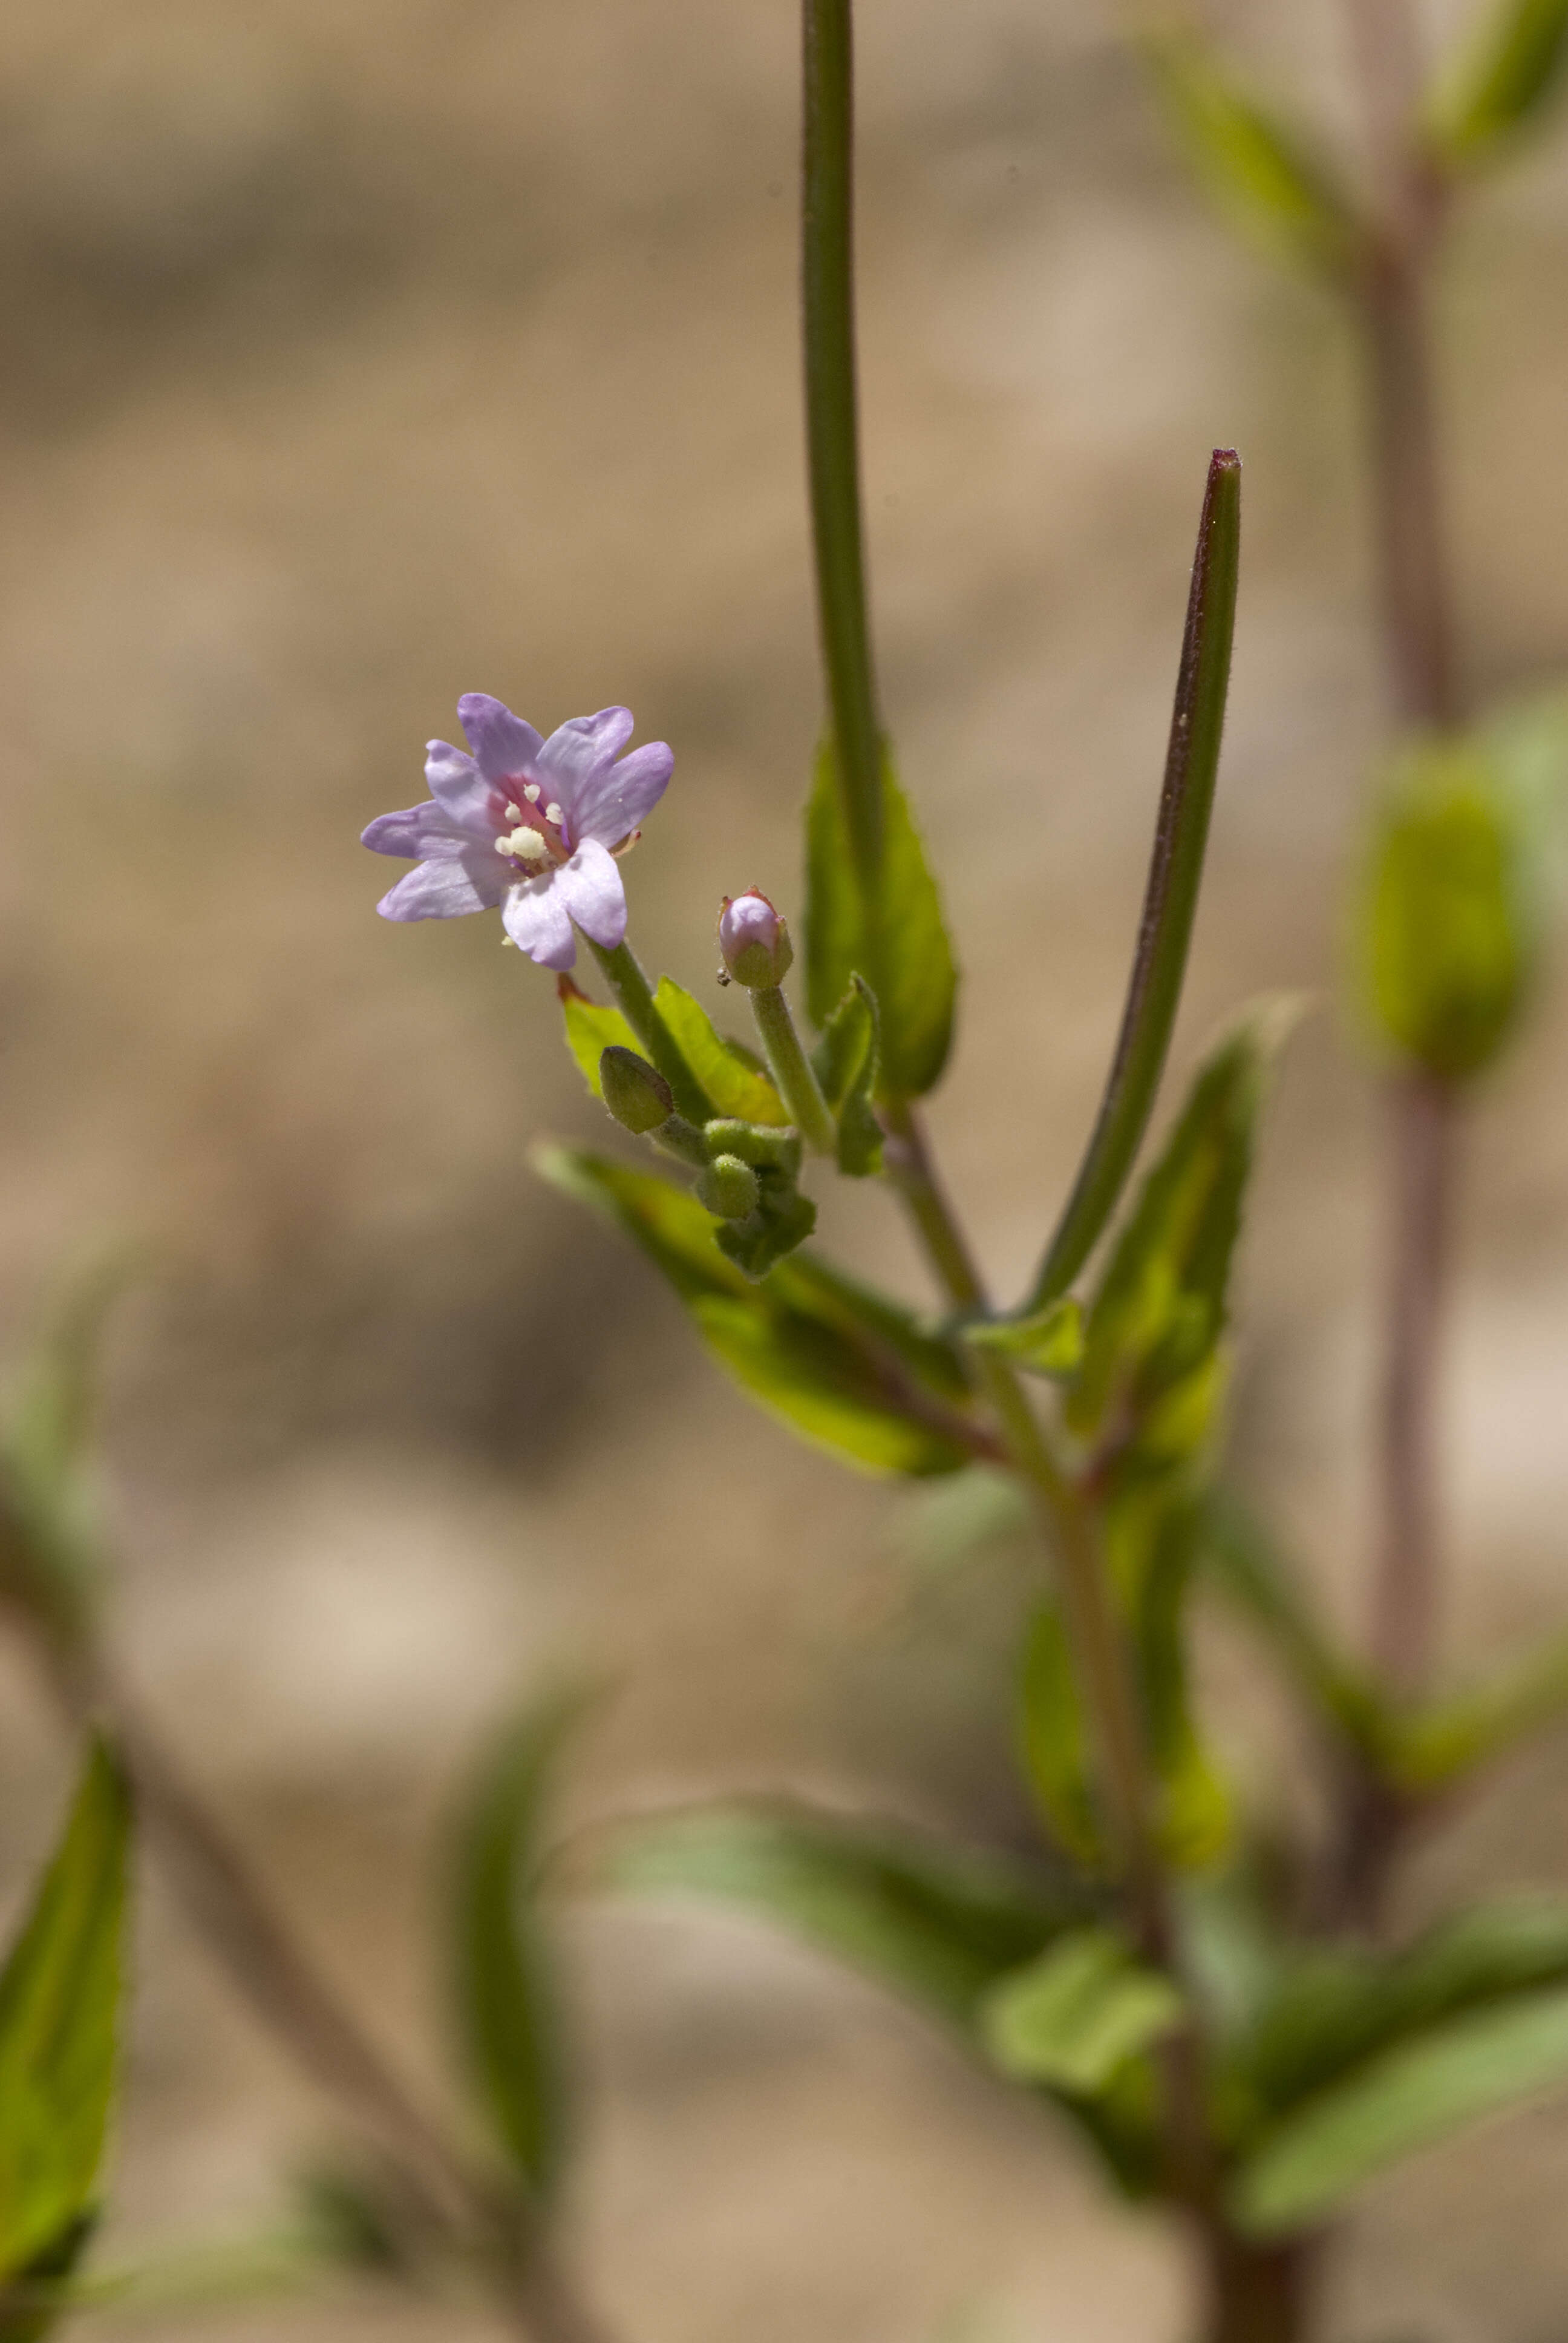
791 1069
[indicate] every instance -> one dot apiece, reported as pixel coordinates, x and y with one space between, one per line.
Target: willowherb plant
1244 2041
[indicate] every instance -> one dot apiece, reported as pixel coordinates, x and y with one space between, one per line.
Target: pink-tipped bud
754 941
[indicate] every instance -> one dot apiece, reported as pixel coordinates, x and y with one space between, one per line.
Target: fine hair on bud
729 1188
636 1093
754 941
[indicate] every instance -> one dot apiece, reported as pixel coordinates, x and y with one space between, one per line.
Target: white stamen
532 794
513 813
505 846
553 813
528 845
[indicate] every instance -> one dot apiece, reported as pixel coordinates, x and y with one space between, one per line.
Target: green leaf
824 1388
59 2017
733 1076
1410 2099
506 1987
900 947
936 1922
843 1368
42 2283
1446 1739
1336 2008
845 1063
1446 940
1260 169
1160 1308
1045 1341
1081 2010
1151 1530
1506 75
592 1028
1170 891
1053 1739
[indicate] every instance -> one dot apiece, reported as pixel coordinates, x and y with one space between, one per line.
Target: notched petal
590 886
506 747
611 804
536 917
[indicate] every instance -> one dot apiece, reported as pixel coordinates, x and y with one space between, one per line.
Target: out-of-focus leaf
33 2303
592 1026
1053 1739
1446 940
1446 1738
506 2001
733 1076
59 2018
1151 1542
1160 1307
1242 1562
844 1062
1078 2012
1503 79
840 1366
1335 2009
902 948
1409 2098
1261 170
938 1924
822 1290
1047 1341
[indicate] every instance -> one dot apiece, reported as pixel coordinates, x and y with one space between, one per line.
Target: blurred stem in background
1390 291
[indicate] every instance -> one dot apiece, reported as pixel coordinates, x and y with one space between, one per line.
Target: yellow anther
513 813
553 813
532 794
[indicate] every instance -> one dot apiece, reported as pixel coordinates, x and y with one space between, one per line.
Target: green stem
1171 897
624 971
832 431
797 1085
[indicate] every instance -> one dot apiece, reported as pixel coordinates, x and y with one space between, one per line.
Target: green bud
729 1188
636 1093
762 1145
1446 941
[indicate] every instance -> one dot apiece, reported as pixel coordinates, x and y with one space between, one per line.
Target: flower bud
754 941
636 1093
729 1188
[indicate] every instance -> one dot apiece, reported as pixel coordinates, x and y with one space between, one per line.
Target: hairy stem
791 1069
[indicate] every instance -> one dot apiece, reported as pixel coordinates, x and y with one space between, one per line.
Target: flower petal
536 917
579 750
447 889
461 790
589 885
422 830
506 747
609 805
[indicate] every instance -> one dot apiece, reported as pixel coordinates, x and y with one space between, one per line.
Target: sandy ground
355 357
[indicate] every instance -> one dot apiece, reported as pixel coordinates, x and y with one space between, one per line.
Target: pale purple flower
531 826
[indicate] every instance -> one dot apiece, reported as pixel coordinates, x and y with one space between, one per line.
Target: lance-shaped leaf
1045 1342
900 947
1410 2097
1445 1739
59 2022
1160 1308
506 2001
1171 895
1053 1739
845 1369
1151 1535
733 1076
1334 2011
1501 81
1082 2009
937 1922
1260 170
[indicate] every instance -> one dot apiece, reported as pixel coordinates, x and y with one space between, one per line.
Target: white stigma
528 845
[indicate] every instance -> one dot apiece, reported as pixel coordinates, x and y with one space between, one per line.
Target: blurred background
354 356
